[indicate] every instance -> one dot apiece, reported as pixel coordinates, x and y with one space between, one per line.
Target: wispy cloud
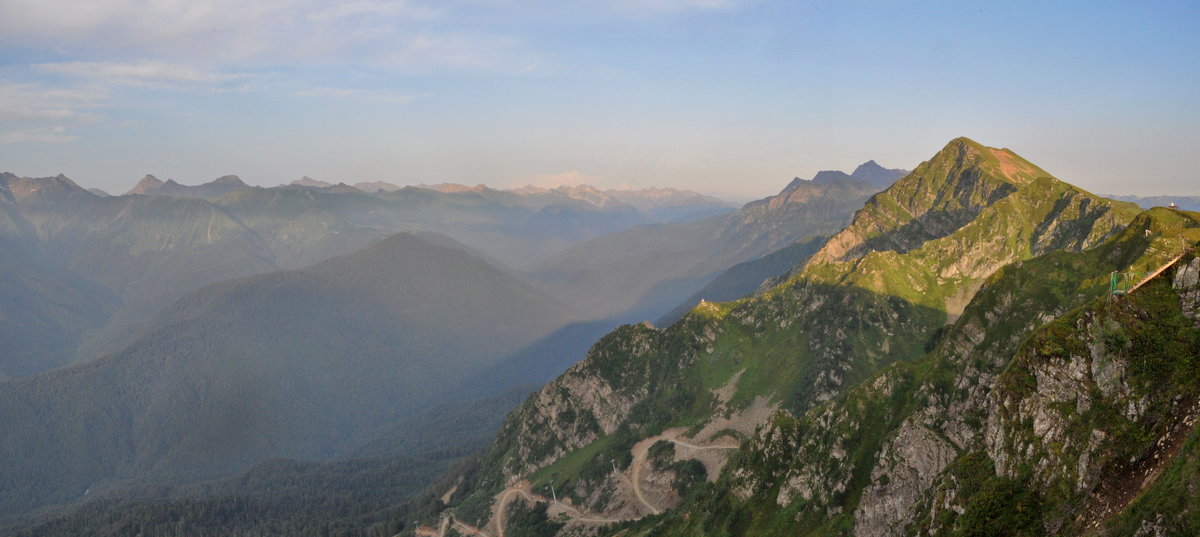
371 8
394 34
360 94
659 7
136 73
40 113
36 102
168 27
429 51
56 134
110 50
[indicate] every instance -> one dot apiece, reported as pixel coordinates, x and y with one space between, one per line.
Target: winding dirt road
642 449
525 491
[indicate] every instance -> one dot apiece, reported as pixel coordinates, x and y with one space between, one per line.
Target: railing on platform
1124 282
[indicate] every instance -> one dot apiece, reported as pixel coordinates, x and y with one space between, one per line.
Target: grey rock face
911 463
1187 282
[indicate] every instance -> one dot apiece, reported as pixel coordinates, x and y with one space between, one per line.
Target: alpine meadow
607 268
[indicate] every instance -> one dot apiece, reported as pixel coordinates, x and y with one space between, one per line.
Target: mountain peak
151 185
148 184
963 152
868 172
794 184
825 177
871 172
309 181
453 188
869 166
45 188
377 187
964 141
950 190
343 188
228 180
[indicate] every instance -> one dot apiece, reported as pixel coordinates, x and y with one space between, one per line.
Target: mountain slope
124 257
878 293
302 226
43 312
743 279
945 445
645 271
309 362
361 495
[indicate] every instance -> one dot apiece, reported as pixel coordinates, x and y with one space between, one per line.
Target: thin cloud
50 135
654 7
36 102
372 8
170 27
35 113
396 34
433 52
360 94
137 73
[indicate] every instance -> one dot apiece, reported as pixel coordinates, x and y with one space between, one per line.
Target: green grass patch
569 467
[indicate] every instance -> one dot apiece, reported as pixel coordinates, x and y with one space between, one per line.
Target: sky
726 97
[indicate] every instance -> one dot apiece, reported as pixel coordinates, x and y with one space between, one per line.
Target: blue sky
720 96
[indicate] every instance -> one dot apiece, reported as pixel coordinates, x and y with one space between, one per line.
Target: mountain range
124 256
950 363
153 186
84 272
972 348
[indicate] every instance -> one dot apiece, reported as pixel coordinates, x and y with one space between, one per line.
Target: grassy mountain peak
936 233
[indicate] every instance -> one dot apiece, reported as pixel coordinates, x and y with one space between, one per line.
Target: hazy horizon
723 97
546 182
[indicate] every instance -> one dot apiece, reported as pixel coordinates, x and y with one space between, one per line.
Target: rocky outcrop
597 395
911 463
1187 283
